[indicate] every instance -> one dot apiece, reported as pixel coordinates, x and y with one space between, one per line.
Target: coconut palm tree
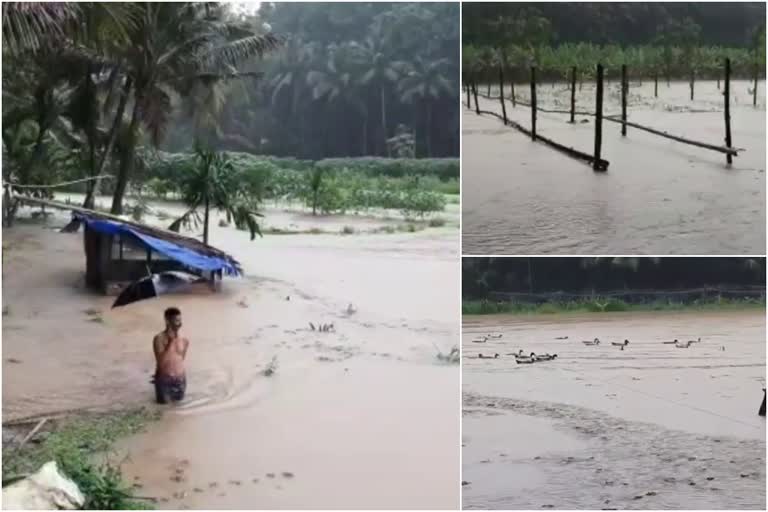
381 73
174 47
427 82
336 82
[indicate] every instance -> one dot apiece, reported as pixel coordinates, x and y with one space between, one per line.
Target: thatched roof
163 234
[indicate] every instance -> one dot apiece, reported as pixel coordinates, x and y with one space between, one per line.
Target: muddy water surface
658 196
648 427
361 417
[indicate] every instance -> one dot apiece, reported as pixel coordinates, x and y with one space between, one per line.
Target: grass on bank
604 305
74 442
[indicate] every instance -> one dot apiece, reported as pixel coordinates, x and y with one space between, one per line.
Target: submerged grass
74 443
605 305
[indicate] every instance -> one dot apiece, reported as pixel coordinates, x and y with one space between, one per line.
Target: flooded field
649 427
658 196
362 417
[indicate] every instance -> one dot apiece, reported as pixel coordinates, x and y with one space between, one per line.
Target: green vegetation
94 88
74 443
605 305
672 41
415 187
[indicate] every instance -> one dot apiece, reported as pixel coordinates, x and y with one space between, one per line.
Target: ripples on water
658 196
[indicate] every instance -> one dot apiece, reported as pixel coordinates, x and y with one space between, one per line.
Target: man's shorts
169 389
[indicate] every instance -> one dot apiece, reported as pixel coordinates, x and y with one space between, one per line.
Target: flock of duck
521 358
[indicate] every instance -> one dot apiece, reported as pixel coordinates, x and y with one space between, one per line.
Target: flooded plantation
658 196
303 435
649 426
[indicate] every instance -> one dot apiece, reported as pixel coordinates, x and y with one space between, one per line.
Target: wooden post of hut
598 119
501 94
533 102
624 86
573 94
727 99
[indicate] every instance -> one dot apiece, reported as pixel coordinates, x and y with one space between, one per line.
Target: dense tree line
536 275
348 80
96 87
622 23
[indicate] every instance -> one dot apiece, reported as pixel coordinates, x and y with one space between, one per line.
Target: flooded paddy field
649 427
362 417
658 196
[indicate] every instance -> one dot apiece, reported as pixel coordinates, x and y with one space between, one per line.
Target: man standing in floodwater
170 350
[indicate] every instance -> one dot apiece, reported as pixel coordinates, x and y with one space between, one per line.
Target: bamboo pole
727 100
573 94
501 93
533 103
624 86
598 120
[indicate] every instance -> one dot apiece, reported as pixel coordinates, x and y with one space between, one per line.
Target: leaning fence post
624 86
501 94
598 119
469 98
727 98
573 94
533 103
474 91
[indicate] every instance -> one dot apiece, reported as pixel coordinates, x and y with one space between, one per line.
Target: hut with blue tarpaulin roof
119 252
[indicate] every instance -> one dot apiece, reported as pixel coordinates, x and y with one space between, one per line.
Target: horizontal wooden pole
612 118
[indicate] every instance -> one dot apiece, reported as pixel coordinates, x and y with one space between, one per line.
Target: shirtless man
170 350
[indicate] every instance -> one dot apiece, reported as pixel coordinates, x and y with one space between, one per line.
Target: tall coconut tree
427 81
380 72
173 47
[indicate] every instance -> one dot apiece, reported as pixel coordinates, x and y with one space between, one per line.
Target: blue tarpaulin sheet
183 255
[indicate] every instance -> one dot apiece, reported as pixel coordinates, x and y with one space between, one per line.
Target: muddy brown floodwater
362 417
658 196
648 427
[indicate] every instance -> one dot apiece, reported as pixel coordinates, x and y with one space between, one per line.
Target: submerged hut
119 252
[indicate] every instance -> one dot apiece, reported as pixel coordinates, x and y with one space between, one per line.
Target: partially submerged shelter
118 252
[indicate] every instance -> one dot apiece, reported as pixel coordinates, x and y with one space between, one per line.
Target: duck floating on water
519 353
562 338
596 341
494 336
481 339
546 357
673 342
526 359
494 356
618 344
683 345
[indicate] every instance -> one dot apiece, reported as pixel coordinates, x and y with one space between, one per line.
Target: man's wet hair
171 312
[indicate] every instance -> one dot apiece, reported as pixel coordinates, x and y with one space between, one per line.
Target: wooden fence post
474 91
598 119
624 86
501 94
754 91
573 94
533 103
512 85
727 99
469 98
